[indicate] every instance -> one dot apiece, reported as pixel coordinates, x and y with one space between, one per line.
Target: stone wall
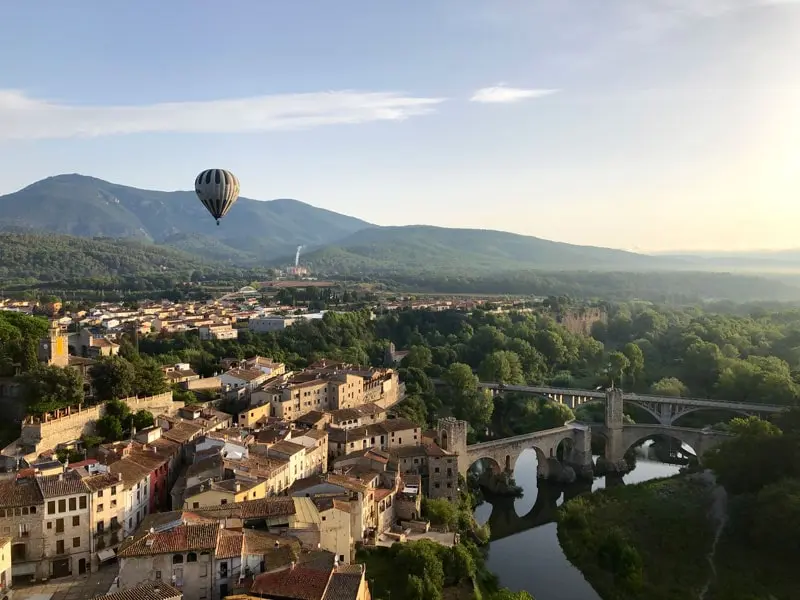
51 431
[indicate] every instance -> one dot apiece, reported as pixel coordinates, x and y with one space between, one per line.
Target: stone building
67 537
21 519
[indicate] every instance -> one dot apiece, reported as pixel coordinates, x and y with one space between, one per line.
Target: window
436 470
341 558
73 504
82 502
76 542
60 547
323 518
23 530
62 506
99 508
100 494
223 570
177 559
33 510
101 527
59 525
204 571
114 523
195 505
49 524
449 485
51 507
76 521
191 557
158 574
224 501
113 504
437 485
113 490
24 510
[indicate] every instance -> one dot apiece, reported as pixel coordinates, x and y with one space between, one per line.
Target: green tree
669 386
502 366
150 379
752 426
419 357
776 523
109 427
441 512
113 377
618 365
635 358
143 419
46 388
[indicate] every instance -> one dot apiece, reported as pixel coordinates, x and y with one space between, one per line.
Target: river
528 556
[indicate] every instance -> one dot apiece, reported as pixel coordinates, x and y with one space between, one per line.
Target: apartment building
67 538
217 331
388 434
6 577
22 520
107 514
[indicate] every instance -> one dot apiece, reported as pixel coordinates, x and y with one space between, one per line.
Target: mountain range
267 233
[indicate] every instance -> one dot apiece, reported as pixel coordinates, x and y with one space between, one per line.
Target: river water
527 555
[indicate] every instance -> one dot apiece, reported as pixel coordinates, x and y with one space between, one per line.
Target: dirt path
719 516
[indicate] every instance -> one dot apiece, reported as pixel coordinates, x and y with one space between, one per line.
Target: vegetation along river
524 551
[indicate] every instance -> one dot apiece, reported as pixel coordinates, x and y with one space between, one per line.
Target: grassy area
744 573
641 541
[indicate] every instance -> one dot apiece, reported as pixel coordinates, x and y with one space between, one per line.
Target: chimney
238 486
291 568
119 476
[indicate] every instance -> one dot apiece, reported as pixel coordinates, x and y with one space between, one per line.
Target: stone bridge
575 440
665 409
577 450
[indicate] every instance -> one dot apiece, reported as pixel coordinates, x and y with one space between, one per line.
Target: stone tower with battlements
452 436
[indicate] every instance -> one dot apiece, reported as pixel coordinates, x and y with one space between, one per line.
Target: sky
647 125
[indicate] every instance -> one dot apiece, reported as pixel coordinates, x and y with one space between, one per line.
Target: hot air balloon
218 190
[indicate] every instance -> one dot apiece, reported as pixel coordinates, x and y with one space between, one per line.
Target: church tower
53 348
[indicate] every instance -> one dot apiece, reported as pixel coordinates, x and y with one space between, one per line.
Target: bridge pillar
615 442
580 456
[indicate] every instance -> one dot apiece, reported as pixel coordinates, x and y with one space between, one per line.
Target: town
271 500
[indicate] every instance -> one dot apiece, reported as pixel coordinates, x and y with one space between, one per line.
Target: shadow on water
524 551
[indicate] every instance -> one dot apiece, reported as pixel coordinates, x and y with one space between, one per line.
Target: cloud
22 117
500 94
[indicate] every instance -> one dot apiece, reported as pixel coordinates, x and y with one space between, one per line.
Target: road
71 588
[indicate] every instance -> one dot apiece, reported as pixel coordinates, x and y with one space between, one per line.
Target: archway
529 466
563 450
477 472
698 418
662 447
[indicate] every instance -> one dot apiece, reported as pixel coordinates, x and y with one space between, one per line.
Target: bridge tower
452 436
615 447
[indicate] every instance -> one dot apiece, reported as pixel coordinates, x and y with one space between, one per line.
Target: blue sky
637 124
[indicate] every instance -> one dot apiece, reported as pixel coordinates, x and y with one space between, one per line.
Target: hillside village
272 500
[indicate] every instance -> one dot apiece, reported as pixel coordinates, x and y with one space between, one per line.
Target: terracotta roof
148 590
229 544
261 543
245 374
381 493
343 585
66 484
182 538
300 583
286 447
101 481
132 472
182 432
19 492
264 508
396 424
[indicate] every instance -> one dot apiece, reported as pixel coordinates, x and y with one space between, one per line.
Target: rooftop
147 590
298 582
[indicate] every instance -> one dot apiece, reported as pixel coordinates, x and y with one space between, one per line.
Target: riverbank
655 540
649 540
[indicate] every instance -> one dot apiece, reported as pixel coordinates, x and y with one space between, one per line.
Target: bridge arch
696 440
702 409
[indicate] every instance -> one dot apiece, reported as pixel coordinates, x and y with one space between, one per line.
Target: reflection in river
524 551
